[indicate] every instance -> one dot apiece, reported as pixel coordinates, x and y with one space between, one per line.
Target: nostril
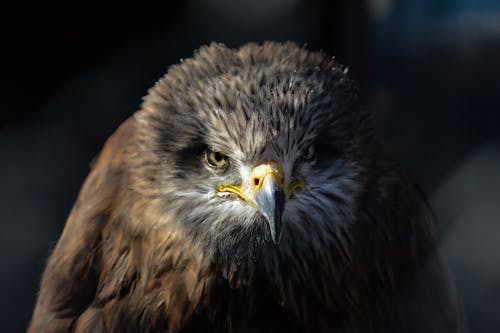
256 181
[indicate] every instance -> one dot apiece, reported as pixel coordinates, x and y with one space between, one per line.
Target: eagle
250 193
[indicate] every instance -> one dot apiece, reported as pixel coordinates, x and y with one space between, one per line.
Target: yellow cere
259 173
273 169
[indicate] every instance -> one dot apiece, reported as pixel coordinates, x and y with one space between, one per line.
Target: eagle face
247 195
255 148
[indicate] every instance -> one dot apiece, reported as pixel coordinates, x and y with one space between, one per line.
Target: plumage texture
151 246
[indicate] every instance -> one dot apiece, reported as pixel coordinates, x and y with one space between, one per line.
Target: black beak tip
275 238
273 212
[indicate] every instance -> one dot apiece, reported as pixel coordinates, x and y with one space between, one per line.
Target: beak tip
272 211
275 238
270 200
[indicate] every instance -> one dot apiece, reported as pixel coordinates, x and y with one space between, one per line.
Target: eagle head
253 148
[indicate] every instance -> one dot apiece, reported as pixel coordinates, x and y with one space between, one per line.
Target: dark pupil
218 157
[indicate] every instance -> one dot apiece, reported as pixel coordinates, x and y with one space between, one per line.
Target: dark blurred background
429 70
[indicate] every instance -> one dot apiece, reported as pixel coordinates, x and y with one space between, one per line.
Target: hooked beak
265 193
269 195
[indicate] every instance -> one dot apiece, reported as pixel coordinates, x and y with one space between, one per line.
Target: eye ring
215 159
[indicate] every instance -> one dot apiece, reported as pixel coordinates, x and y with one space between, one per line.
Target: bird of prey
248 194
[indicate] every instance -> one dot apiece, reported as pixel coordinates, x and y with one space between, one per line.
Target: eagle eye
215 159
309 154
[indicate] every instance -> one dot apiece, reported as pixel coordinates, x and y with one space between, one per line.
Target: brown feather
144 250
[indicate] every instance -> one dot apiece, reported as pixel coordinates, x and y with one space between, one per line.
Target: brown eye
215 159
